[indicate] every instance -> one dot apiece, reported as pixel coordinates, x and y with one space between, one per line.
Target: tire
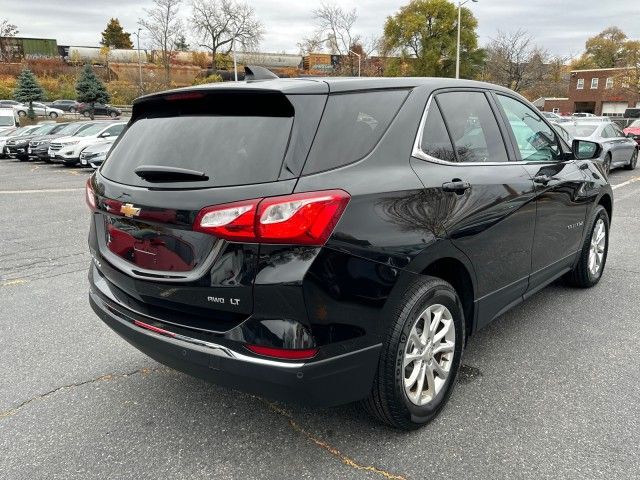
582 275
607 164
86 114
633 161
389 400
22 113
53 115
113 115
72 110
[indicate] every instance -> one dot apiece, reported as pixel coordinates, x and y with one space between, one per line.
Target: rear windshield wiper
161 173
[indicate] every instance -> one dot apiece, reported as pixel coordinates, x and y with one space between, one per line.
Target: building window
609 82
580 85
594 83
556 110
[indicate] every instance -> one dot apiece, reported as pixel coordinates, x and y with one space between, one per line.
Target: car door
484 201
100 109
561 204
624 145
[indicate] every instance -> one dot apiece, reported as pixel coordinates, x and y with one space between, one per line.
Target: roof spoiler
254 72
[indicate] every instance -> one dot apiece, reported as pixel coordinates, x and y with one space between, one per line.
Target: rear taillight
301 218
90 195
283 353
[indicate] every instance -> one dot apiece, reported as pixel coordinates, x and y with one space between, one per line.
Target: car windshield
583 130
635 124
44 129
71 128
91 130
6 121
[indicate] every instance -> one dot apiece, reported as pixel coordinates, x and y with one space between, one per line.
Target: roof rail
254 72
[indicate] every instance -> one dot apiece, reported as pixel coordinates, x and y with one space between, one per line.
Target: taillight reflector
90 195
159 330
283 353
301 218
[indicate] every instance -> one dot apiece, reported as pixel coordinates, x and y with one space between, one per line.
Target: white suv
67 149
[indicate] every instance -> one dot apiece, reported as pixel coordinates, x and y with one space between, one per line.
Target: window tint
472 127
608 132
435 140
351 126
115 130
535 139
230 150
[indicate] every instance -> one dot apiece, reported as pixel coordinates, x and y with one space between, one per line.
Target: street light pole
460 5
139 62
359 58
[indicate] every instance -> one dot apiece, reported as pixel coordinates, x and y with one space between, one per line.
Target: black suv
331 240
66 105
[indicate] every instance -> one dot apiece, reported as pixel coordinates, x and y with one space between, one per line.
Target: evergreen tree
90 89
181 43
115 37
28 90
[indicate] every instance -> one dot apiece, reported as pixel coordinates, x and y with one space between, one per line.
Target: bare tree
6 30
336 25
219 24
514 61
311 44
164 28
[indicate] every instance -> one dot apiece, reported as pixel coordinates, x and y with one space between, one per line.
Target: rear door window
230 150
472 126
352 124
435 140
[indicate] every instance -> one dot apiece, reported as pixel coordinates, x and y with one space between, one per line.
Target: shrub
123 92
209 79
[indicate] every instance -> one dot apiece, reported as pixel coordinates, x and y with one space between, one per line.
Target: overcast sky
559 26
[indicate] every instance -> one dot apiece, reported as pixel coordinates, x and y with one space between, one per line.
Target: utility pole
460 5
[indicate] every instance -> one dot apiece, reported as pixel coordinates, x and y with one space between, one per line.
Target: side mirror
585 150
105 135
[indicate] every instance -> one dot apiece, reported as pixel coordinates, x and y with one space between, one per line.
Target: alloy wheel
428 354
597 248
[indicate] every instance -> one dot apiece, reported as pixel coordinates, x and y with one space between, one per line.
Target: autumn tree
424 35
115 37
28 90
164 27
6 30
221 24
514 61
607 49
90 89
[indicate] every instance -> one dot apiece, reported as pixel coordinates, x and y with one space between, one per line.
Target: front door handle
456 186
542 179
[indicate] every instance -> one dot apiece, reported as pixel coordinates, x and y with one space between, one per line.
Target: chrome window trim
419 154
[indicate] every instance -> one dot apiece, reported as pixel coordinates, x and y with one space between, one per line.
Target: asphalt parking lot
549 390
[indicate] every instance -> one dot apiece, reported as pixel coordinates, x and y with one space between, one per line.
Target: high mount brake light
90 195
300 218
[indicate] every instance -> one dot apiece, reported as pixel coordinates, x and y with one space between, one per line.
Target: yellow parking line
624 184
17 281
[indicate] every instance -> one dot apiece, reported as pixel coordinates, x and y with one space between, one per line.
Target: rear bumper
332 381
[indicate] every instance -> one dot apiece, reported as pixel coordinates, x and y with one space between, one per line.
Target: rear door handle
456 186
542 179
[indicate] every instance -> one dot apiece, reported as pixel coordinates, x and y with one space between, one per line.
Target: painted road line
49 190
624 184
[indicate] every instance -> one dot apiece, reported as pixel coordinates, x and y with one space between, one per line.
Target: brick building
599 91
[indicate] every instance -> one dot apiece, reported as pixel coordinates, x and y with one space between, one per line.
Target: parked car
7 118
18 146
40 109
9 103
582 114
554 117
70 106
617 149
633 131
632 113
99 109
96 154
39 144
297 239
4 135
67 149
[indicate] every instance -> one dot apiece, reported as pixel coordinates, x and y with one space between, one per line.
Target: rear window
352 124
230 150
584 130
7 121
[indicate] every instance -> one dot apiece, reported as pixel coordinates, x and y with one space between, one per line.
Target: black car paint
499 241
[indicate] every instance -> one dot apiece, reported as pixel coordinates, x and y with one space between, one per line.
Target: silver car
94 155
617 149
40 109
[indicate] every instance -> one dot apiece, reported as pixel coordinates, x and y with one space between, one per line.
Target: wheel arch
607 202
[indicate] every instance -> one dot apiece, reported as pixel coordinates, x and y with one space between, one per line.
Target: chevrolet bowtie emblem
128 210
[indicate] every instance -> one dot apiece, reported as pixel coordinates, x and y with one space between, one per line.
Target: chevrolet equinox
325 241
